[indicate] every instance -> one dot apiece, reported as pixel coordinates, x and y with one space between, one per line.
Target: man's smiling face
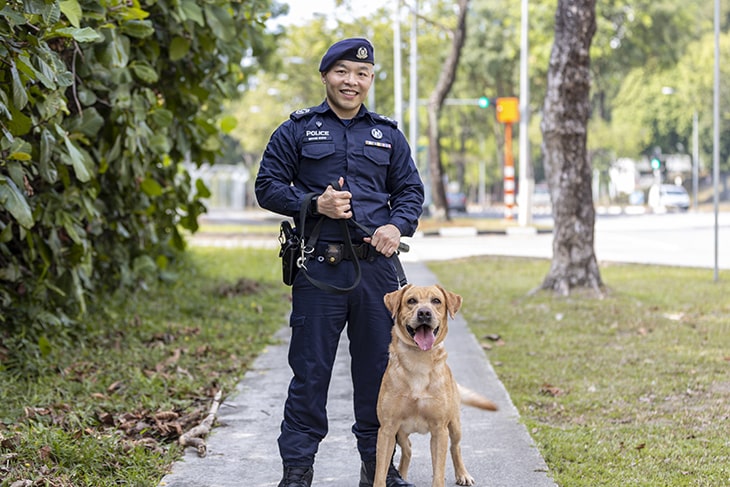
347 84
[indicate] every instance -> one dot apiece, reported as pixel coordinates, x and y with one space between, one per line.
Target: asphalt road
677 239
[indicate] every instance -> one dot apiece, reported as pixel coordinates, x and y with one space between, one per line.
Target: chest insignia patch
373 143
376 133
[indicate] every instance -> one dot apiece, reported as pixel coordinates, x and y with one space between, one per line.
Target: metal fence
228 184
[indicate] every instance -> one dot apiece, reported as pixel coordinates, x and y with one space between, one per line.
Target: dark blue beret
355 49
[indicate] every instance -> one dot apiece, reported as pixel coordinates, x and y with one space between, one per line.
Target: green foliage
100 104
647 117
108 408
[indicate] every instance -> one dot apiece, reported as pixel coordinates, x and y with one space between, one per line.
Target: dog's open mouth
424 336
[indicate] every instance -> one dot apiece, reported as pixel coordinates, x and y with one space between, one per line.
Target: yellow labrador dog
418 393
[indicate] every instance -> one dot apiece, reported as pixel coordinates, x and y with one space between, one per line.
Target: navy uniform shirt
314 148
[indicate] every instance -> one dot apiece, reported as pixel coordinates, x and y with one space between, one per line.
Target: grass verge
107 407
628 390
632 389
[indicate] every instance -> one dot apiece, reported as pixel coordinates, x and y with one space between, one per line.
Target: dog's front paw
464 479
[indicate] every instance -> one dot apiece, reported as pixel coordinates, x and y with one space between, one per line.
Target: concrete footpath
242 448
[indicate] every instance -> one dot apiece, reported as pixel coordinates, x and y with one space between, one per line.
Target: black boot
297 477
393 479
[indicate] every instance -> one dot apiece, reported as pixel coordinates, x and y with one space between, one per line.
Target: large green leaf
20 124
179 48
76 158
151 187
20 97
86 34
117 51
72 10
13 200
46 168
144 72
220 22
189 10
138 28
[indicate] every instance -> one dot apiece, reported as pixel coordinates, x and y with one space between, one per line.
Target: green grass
107 407
632 389
259 230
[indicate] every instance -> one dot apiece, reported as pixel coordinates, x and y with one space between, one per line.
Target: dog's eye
412 301
436 301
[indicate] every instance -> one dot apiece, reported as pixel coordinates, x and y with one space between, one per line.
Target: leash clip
304 256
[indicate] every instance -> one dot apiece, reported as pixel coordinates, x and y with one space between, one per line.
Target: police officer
359 166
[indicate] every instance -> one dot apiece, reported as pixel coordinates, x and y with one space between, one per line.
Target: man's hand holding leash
336 204
385 239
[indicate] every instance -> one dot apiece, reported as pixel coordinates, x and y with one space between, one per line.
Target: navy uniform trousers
317 321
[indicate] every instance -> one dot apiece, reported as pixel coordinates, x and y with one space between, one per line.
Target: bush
100 104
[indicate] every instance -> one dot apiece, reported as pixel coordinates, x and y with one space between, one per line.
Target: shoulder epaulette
302 113
382 118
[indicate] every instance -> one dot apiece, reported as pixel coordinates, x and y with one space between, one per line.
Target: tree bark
568 170
435 103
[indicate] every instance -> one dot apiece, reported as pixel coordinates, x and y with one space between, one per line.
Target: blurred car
541 195
637 198
664 197
456 202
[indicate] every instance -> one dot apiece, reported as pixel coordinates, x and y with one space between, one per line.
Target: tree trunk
564 129
435 102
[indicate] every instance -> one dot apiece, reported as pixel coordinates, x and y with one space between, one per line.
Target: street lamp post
716 137
695 161
526 181
668 90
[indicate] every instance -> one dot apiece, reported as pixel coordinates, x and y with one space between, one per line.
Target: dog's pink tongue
424 338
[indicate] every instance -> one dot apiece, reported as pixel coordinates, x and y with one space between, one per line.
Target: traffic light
508 110
483 102
656 163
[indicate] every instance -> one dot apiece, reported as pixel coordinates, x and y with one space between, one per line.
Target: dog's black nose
424 315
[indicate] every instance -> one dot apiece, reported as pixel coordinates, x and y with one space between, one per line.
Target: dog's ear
392 300
453 301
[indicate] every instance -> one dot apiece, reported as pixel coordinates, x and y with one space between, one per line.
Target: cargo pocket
299 346
379 155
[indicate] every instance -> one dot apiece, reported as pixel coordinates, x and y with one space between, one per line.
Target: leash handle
402 246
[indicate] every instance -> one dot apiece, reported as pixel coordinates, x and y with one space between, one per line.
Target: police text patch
312 135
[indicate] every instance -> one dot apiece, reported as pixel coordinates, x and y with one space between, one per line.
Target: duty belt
333 253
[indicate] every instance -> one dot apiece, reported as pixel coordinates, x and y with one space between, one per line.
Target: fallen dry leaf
166 415
551 390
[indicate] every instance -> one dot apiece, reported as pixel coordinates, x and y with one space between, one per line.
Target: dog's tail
474 399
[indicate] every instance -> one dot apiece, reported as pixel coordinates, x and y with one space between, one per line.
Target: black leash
308 248
402 247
